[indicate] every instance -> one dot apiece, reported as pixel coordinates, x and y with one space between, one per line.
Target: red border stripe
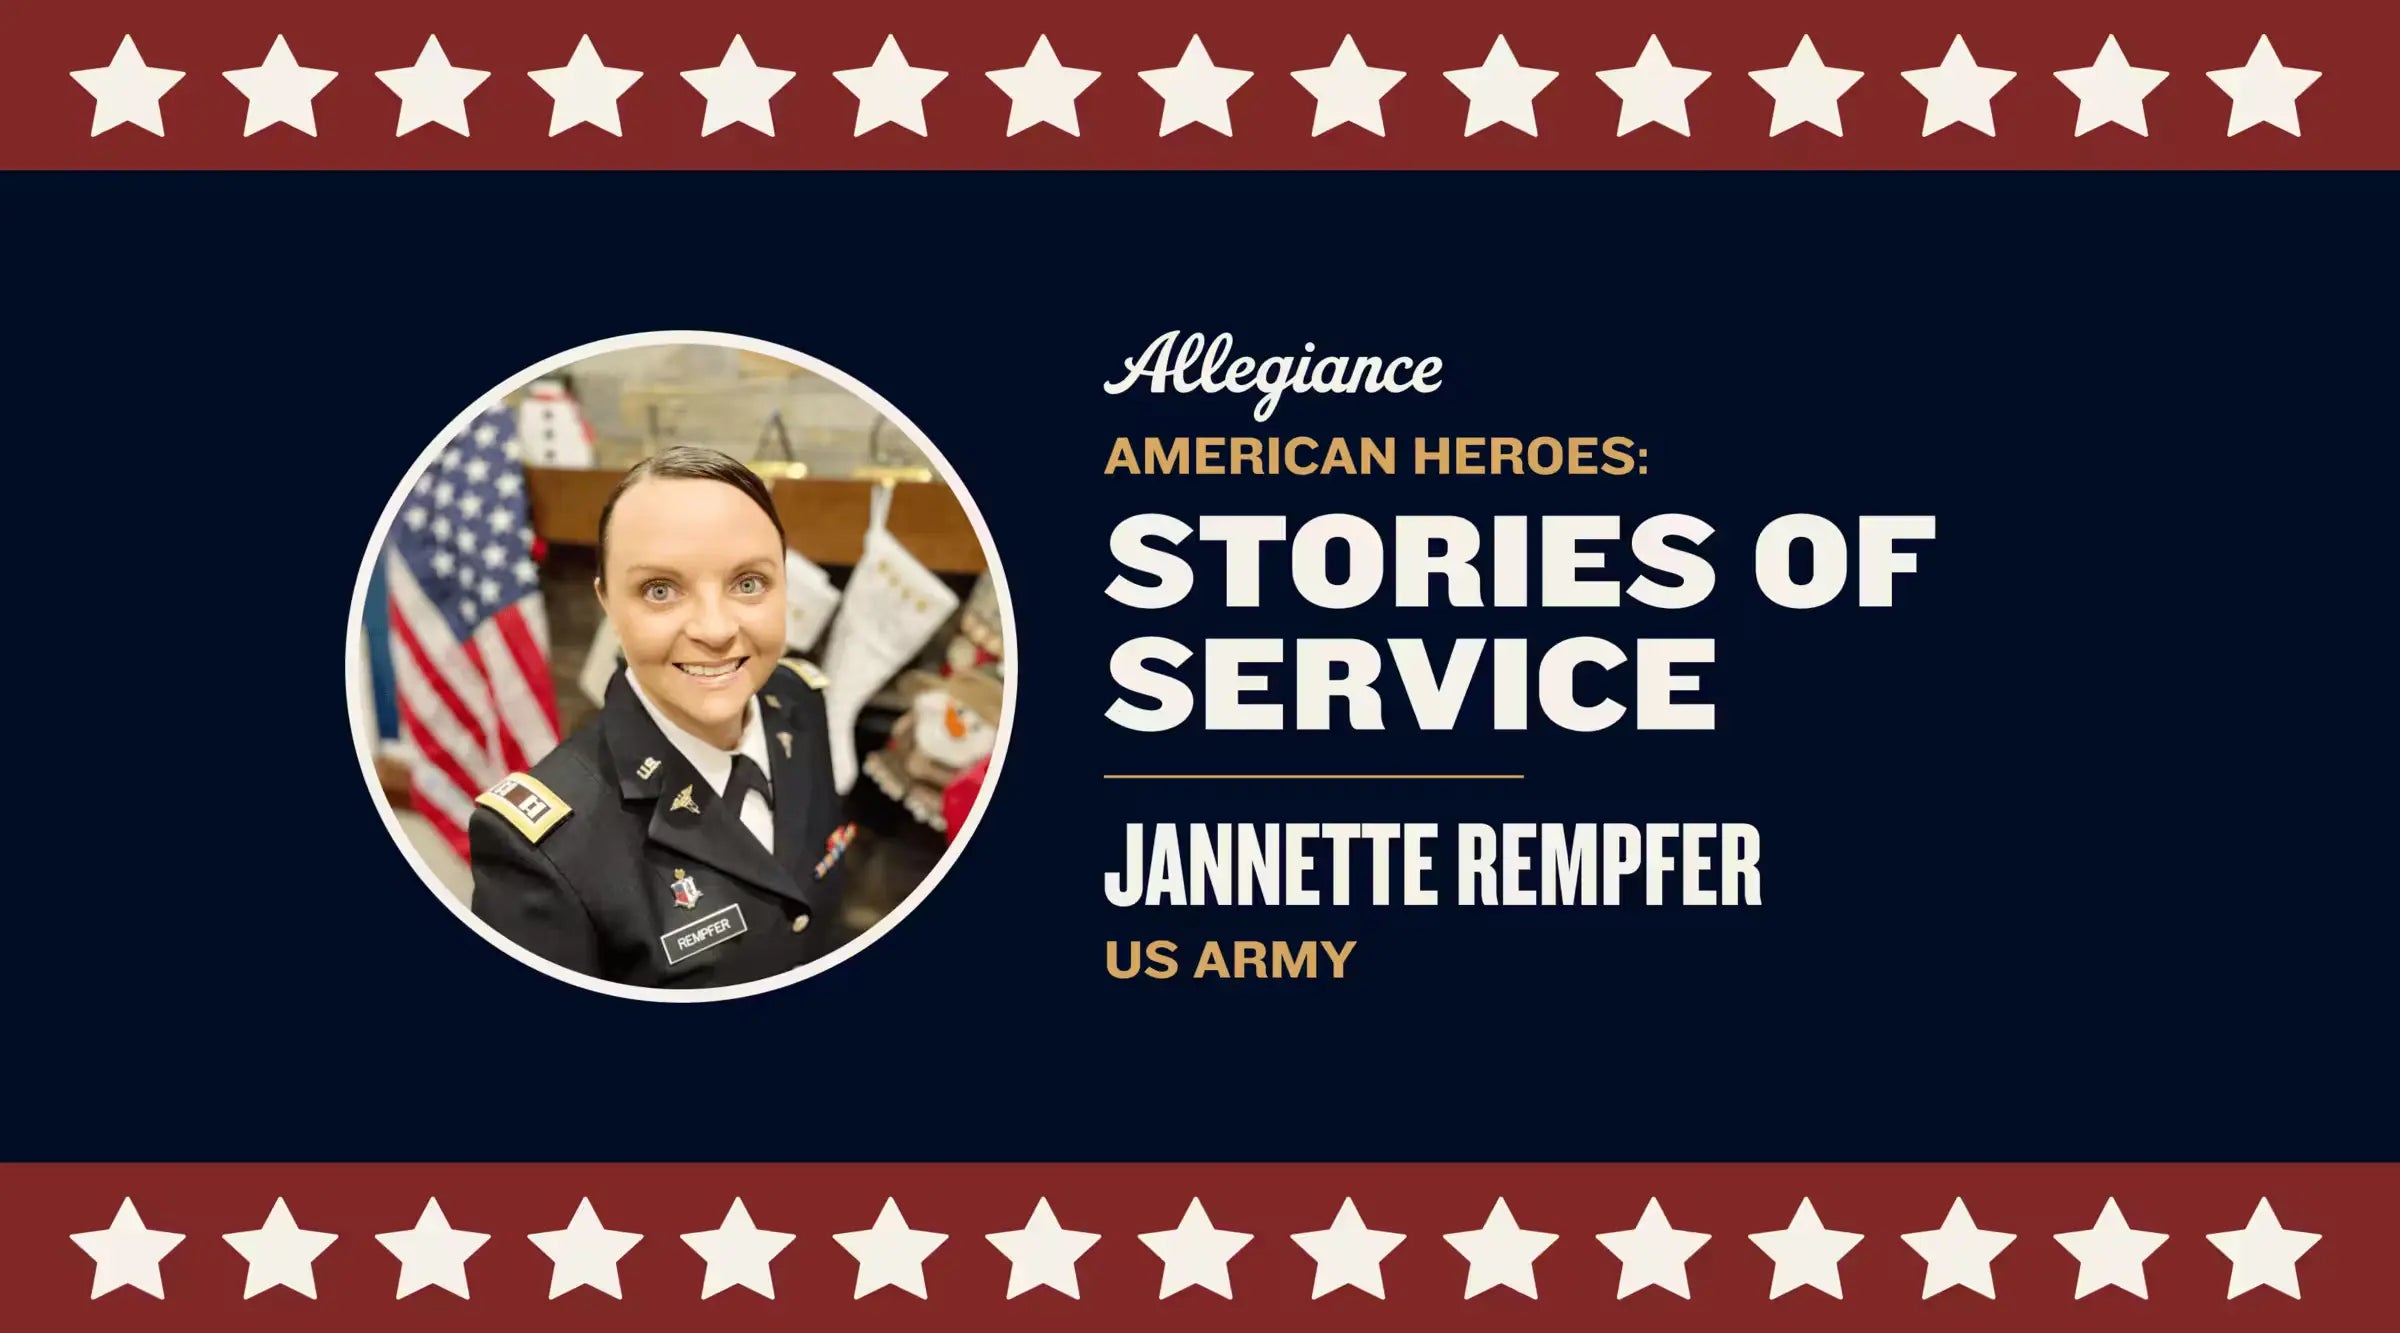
2345 1278
2347 117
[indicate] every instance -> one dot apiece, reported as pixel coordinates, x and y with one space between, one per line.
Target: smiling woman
698 599
708 771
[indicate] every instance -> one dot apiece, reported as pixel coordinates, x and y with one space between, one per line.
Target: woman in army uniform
690 835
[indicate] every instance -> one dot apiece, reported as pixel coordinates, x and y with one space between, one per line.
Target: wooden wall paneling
824 520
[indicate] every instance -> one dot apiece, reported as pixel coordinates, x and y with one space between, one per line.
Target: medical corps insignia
686 891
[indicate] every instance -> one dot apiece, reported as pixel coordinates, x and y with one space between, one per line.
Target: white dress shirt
715 766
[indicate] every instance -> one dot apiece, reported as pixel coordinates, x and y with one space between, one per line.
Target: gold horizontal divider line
1314 777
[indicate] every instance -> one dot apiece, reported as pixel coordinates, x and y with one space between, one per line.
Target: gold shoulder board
532 807
808 673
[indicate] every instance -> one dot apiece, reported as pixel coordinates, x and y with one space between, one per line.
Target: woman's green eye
657 592
751 585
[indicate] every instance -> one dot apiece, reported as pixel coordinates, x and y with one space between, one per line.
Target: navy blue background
2075 853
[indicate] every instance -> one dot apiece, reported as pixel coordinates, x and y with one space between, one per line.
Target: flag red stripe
530 661
406 633
432 752
451 833
512 752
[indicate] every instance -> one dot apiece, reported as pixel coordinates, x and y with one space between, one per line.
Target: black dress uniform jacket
614 858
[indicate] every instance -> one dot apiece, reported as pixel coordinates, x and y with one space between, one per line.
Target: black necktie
747 777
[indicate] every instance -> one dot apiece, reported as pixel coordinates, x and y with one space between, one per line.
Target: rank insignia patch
808 673
687 892
528 805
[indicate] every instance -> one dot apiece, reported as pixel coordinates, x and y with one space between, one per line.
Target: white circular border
360 688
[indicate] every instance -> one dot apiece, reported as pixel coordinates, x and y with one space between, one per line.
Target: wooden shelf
822 519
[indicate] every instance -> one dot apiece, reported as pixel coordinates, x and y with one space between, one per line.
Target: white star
2111 1253
425 484
280 1254
441 528
414 517
127 1254
1653 1253
1806 1254
451 458
584 91
486 432
1042 1253
1652 89
524 571
508 483
1348 1253
1958 91
433 91
1349 91
586 1253
1959 1254
1042 90
490 588
470 504
2109 89
1196 1254
478 469
1806 92
890 1253
1196 91
2264 1254
431 1253
493 555
280 90
502 520
466 611
891 91
738 1253
738 91
1500 91
466 539
125 91
1500 1253
2265 91
444 562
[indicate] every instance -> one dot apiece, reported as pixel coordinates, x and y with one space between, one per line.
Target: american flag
470 639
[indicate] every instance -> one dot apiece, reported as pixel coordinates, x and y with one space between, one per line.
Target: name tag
703 934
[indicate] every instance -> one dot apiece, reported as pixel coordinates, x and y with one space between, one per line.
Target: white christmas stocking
889 611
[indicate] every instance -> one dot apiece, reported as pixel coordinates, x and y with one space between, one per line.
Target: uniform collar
714 766
652 766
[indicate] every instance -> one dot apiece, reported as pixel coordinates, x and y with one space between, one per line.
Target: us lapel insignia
683 801
835 844
649 766
686 891
786 738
